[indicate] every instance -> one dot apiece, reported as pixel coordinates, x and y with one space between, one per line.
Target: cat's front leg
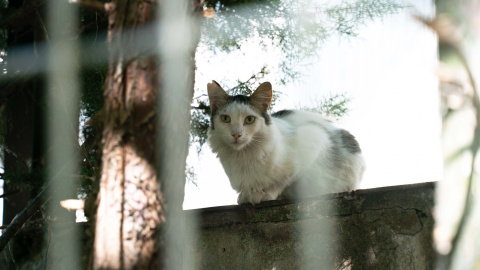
242 198
254 197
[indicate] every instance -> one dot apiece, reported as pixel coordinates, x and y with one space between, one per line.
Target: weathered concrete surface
384 228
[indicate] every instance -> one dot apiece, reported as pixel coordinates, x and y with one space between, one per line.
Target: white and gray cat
288 154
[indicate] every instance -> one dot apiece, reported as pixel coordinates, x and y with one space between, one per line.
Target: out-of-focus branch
209 13
36 203
90 4
449 34
202 106
17 223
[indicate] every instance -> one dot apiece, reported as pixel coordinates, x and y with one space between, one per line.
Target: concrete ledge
382 228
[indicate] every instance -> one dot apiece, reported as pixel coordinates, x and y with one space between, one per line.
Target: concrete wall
383 228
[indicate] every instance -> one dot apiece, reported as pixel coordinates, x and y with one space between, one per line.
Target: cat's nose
236 136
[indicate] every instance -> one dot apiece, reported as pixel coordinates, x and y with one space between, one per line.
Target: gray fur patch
282 113
349 142
267 118
343 143
211 120
336 154
238 98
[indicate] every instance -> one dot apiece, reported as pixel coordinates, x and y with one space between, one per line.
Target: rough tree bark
129 211
131 204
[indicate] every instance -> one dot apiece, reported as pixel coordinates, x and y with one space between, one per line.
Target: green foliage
22 178
297 28
199 125
247 87
92 80
271 22
349 15
335 106
91 102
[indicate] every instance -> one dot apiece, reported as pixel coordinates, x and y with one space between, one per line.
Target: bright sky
389 73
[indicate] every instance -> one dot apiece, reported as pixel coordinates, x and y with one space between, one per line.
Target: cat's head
237 120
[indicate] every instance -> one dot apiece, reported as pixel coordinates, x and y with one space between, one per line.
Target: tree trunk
131 205
129 211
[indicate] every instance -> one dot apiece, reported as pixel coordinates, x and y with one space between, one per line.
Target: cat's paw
257 197
267 197
254 197
243 198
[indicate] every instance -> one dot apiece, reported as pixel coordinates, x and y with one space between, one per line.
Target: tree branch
450 35
90 4
35 204
474 148
23 216
202 106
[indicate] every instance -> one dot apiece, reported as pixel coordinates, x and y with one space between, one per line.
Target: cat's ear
262 97
217 96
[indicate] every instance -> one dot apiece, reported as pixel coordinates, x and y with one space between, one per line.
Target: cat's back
297 118
327 157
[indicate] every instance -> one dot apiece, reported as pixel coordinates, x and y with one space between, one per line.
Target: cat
286 155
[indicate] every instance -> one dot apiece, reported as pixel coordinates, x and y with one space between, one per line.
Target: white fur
268 159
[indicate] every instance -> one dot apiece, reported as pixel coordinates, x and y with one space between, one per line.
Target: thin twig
450 35
202 95
201 106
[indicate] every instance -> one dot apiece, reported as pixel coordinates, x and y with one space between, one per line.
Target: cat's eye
225 118
249 120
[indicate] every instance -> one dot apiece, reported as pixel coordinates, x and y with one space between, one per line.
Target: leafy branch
335 106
